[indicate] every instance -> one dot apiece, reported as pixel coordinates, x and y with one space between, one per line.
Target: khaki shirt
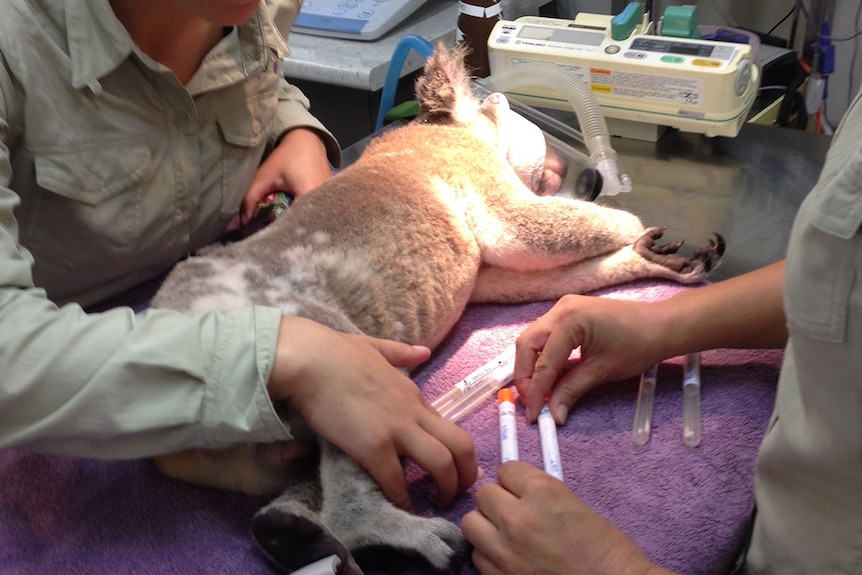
111 171
808 482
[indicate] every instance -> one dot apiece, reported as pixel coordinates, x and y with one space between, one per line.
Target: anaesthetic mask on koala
545 164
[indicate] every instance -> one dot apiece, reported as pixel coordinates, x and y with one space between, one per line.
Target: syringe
691 400
643 408
476 387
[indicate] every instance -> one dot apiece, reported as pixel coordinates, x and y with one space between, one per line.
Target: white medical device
353 19
699 86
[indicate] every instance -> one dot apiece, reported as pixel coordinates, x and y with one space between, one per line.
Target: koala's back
391 250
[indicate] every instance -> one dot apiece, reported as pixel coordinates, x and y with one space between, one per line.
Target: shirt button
182 121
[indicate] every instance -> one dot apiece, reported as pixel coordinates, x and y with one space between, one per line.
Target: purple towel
686 508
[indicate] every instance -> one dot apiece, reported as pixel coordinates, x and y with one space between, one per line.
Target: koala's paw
292 537
395 540
702 261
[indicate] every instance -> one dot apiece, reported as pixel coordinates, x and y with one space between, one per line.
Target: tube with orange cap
508 425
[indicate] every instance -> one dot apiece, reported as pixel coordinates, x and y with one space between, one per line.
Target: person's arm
124 385
117 385
532 523
294 110
620 339
303 155
745 312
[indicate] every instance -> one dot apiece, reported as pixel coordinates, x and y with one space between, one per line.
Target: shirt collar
97 40
98 44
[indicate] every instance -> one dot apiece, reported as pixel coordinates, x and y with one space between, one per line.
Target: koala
433 216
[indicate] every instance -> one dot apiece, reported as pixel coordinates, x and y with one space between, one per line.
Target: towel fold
686 508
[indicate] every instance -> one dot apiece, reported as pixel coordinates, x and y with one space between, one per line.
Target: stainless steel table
746 188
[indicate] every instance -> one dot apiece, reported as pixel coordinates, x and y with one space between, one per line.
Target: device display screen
563 35
672 47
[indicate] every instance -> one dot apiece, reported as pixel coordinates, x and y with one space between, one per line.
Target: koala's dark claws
718 243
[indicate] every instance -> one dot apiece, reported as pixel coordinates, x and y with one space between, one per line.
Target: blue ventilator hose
393 73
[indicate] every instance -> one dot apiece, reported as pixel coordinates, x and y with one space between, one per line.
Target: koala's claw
706 258
711 255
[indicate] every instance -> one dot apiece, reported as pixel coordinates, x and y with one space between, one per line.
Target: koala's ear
443 88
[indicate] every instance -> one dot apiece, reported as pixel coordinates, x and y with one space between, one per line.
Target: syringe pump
693 85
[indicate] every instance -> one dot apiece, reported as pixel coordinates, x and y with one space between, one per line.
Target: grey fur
430 218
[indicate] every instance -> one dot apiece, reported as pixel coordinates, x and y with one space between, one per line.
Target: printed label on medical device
500 368
508 426
550 447
691 370
688 91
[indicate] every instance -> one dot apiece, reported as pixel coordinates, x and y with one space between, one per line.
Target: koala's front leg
643 259
541 233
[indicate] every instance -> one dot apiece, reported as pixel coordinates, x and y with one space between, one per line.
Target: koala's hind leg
376 532
238 468
340 510
290 532
540 233
645 258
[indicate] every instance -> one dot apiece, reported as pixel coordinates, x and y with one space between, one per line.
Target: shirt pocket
245 130
88 209
819 277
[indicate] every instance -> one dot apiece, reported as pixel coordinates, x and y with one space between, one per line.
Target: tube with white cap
550 444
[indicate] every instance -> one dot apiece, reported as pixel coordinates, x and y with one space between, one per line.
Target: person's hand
618 339
296 166
346 388
621 339
531 524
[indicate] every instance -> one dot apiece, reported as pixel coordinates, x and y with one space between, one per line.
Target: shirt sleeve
293 112
123 385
